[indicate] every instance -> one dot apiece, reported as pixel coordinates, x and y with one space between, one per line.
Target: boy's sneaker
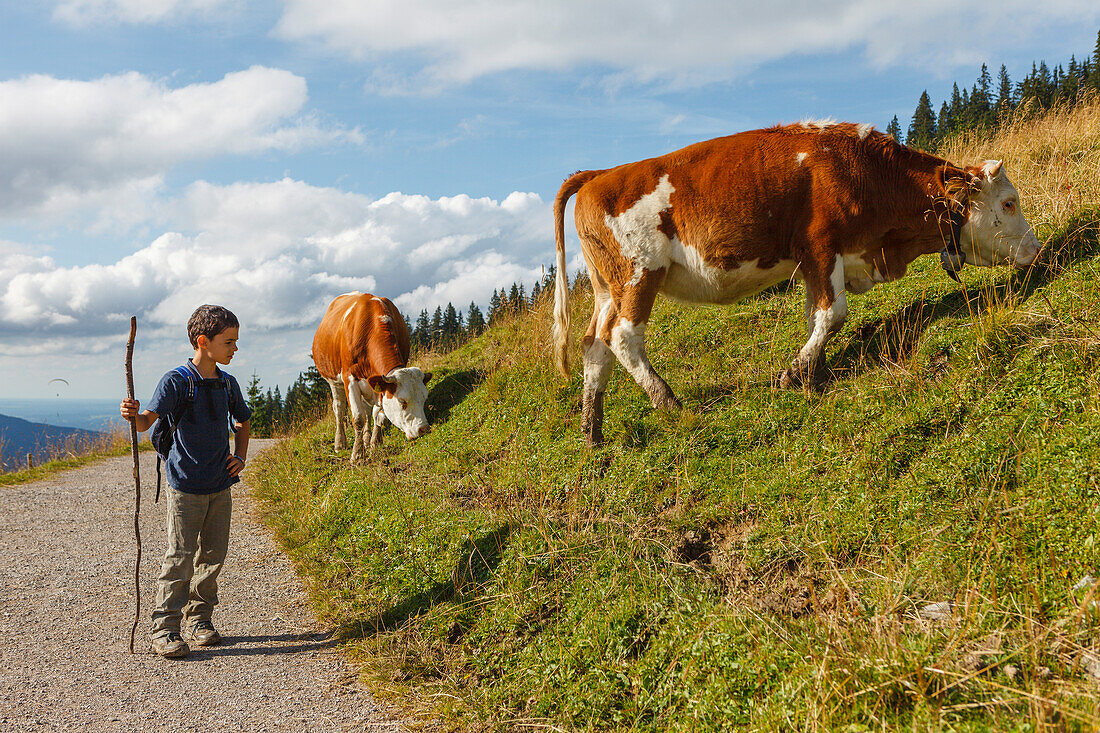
171 646
203 633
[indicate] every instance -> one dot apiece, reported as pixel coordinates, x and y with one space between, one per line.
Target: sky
156 155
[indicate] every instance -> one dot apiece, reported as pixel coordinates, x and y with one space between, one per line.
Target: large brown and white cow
361 349
838 205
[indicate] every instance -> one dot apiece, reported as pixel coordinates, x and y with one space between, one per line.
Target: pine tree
278 414
985 84
437 327
1004 93
1094 75
894 129
946 122
1069 85
260 422
548 281
1045 85
922 130
320 394
475 322
423 332
1074 71
958 107
513 299
450 326
494 307
536 291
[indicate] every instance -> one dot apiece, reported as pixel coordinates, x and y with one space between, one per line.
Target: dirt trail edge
66 606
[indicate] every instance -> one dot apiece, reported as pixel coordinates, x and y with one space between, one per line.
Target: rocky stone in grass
983 655
1090 663
1084 584
939 611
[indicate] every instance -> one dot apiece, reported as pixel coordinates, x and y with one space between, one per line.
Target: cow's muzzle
952 260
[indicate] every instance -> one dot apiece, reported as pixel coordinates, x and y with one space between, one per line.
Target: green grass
56 465
757 560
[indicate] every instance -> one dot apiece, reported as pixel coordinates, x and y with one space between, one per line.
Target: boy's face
222 346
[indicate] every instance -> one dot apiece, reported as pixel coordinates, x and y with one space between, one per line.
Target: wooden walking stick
137 479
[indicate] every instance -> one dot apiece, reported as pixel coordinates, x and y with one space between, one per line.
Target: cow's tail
563 332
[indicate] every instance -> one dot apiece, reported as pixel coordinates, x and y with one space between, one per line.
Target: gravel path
66 606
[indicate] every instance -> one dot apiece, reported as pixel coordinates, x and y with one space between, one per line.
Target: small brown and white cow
838 205
361 349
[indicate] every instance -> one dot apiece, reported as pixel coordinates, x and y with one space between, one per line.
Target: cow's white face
403 394
997 232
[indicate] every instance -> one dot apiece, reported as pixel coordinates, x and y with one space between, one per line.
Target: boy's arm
142 420
240 448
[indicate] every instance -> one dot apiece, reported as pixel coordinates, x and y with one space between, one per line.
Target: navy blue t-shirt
196 463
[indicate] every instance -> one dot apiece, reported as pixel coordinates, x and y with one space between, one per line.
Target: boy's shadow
266 645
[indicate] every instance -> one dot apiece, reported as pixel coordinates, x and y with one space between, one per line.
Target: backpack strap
229 398
189 375
174 420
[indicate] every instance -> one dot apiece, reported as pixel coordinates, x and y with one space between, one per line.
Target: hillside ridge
762 559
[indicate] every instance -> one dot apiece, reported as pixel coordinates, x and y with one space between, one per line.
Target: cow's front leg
340 410
628 345
625 333
826 309
379 422
358 419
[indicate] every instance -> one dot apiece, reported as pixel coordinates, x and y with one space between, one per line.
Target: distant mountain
19 437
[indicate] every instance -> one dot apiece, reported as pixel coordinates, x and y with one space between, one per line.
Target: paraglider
58 394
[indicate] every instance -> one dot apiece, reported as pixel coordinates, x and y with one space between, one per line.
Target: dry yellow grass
1053 158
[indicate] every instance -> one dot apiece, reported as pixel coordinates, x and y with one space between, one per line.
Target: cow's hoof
670 403
789 379
340 445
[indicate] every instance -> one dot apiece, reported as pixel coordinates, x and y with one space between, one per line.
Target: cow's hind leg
626 336
340 410
598 361
826 310
359 405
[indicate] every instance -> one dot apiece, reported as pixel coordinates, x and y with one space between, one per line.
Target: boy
200 473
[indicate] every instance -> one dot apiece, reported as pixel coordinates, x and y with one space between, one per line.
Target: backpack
163 434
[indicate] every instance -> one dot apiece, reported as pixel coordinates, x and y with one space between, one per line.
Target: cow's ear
377 382
427 377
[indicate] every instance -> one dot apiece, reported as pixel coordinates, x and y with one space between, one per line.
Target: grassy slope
757 560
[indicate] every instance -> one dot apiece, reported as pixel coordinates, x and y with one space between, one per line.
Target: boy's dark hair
209 321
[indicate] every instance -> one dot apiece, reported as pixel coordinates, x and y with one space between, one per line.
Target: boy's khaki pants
198 538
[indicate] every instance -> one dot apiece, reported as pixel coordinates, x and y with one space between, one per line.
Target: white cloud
684 42
85 12
276 254
105 145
